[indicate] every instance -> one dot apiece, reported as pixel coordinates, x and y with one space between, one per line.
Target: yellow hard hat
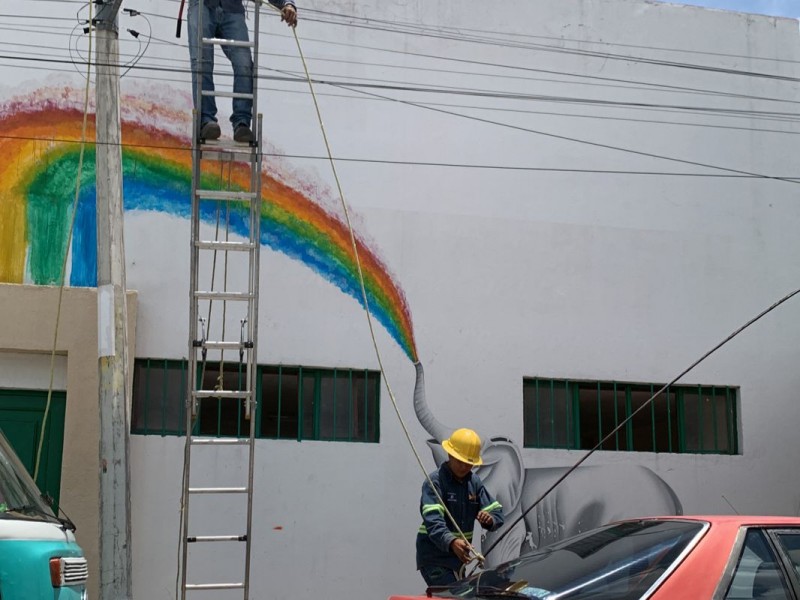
465 445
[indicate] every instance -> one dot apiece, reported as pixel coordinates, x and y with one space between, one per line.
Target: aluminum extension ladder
241 302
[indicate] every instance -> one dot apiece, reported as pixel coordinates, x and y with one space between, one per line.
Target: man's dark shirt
464 498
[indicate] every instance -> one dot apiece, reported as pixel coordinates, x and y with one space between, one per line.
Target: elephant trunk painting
589 497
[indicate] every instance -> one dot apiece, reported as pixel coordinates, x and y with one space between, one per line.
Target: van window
18 493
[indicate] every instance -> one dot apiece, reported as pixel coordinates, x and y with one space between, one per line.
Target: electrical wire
629 83
496 65
764 117
499 37
656 85
609 56
633 82
409 25
34 18
566 138
62 276
502 39
292 77
647 403
726 111
377 350
578 52
367 310
737 114
435 164
136 34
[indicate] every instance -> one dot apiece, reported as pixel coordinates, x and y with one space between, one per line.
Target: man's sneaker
242 134
210 131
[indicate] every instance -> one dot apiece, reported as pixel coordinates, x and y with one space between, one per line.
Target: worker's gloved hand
461 549
485 519
289 14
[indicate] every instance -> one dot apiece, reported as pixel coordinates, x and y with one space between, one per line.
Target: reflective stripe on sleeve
493 506
426 508
424 531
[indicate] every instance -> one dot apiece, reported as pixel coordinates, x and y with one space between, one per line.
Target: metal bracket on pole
107 15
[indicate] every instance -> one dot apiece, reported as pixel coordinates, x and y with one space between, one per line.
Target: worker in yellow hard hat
440 548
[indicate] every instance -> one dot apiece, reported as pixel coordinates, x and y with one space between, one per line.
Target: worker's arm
288 11
434 520
491 514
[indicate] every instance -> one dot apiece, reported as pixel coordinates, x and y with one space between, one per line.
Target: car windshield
617 562
18 493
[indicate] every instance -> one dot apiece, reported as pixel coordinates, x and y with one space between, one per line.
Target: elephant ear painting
591 496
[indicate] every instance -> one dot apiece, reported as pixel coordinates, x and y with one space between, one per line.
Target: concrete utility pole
112 319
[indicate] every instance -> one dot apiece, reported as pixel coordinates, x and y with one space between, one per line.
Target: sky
775 8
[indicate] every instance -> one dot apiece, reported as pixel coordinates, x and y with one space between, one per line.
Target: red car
659 558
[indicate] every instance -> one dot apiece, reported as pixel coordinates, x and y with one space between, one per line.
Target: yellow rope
474 552
66 252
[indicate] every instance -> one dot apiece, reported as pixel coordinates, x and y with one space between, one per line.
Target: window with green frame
560 413
294 402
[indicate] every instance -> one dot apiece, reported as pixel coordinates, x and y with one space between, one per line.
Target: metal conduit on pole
112 319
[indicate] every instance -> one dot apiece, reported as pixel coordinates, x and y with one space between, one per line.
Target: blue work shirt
464 499
236 6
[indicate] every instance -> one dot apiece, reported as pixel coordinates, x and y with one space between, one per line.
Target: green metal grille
294 402
561 413
159 393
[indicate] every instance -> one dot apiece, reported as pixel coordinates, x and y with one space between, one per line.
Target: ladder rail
244 393
226 42
255 43
234 95
193 320
255 233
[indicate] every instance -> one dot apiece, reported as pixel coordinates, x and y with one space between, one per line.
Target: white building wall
509 273
27 371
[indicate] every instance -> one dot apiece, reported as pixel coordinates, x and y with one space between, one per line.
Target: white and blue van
39 557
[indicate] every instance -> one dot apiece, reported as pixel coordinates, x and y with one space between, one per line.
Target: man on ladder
225 19
223 23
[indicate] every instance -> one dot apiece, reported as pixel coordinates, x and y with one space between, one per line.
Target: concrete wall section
26 371
29 320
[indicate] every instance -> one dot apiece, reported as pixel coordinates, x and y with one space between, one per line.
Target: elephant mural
589 497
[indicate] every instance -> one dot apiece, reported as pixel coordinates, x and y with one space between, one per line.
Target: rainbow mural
39 145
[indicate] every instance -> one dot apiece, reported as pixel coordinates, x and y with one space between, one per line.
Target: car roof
720 533
734 520
714 551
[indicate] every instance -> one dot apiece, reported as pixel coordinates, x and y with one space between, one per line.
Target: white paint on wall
105 321
509 273
31 371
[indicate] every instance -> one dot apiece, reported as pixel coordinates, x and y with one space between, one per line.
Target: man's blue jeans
229 26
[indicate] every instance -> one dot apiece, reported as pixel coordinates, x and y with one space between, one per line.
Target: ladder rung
220 441
216 538
224 42
200 295
220 394
235 95
214 586
218 149
209 345
225 246
224 195
218 490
